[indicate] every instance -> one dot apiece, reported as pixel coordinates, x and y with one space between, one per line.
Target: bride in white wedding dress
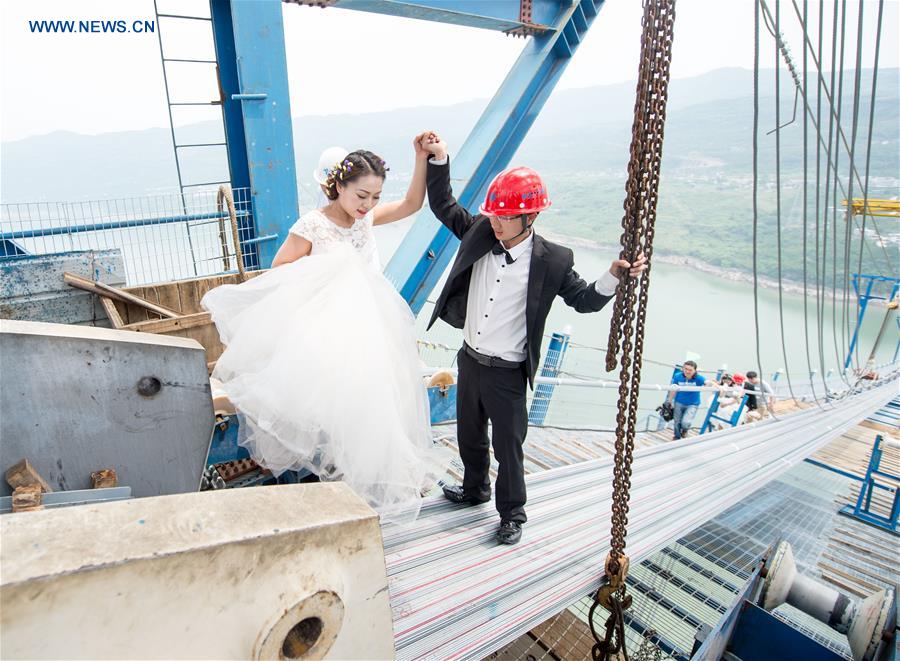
321 359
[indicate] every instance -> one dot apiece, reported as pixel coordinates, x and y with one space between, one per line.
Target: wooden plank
206 284
104 479
565 636
166 326
102 289
536 461
148 294
190 300
124 311
866 540
880 498
23 474
565 447
27 498
168 296
112 312
604 446
864 554
137 314
208 337
543 449
523 647
859 564
881 428
864 584
450 444
584 448
198 326
844 585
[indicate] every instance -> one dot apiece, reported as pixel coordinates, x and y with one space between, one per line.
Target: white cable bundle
456 594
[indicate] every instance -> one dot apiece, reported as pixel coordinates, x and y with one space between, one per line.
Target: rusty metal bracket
527 28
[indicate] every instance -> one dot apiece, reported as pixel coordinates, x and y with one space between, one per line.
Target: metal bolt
148 386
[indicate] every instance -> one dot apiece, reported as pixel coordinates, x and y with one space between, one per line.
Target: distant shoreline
732 275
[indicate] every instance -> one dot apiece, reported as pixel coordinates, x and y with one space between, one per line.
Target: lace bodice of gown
325 235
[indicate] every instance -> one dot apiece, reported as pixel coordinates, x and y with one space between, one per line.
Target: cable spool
866 624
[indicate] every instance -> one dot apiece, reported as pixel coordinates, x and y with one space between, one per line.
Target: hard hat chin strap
526 226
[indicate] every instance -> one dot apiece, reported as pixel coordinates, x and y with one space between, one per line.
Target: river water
690 315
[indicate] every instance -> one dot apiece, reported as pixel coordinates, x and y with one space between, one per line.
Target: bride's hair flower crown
356 164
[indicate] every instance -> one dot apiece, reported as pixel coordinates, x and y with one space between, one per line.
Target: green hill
579 142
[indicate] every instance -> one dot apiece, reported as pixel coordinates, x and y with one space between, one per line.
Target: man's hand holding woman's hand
432 144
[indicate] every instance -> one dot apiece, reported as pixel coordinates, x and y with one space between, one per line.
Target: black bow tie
498 249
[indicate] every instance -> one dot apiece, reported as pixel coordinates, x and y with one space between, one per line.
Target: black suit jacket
551 272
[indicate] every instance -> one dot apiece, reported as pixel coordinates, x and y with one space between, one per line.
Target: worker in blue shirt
686 403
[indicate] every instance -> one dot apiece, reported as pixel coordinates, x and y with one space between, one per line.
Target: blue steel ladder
176 146
173 104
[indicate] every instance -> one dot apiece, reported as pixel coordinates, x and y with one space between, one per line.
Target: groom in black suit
499 291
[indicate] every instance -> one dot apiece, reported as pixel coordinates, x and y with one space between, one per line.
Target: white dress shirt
495 311
498 293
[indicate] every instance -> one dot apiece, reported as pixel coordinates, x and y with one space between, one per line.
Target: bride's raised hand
415 195
420 142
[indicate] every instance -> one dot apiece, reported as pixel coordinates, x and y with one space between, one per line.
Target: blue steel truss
249 38
862 510
502 15
428 247
860 279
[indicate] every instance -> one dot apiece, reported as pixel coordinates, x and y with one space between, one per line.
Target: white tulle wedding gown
322 365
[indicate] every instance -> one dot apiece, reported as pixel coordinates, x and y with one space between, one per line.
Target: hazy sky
344 61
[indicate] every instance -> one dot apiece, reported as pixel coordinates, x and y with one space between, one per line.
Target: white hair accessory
327 160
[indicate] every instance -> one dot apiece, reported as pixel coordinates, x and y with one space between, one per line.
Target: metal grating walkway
456 594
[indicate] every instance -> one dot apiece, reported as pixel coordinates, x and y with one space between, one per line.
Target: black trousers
496 394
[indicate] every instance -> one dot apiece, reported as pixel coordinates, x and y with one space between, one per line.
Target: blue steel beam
428 247
864 302
232 115
502 15
249 38
114 225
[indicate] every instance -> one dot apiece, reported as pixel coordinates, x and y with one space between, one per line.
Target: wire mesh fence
162 237
574 407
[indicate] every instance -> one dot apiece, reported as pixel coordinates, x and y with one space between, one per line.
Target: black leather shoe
509 532
457 494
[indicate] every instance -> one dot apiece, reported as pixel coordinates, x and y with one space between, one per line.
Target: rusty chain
626 337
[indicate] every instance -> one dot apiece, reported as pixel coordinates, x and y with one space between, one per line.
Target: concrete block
75 400
32 288
214 575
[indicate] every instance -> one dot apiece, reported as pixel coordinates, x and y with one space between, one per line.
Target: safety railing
162 237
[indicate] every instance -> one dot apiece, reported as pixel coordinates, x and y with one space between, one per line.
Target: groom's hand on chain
620 266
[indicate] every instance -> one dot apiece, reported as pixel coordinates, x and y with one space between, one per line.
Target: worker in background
761 405
685 403
729 399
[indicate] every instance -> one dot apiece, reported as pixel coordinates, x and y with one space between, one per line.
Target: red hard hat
516 191
738 379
